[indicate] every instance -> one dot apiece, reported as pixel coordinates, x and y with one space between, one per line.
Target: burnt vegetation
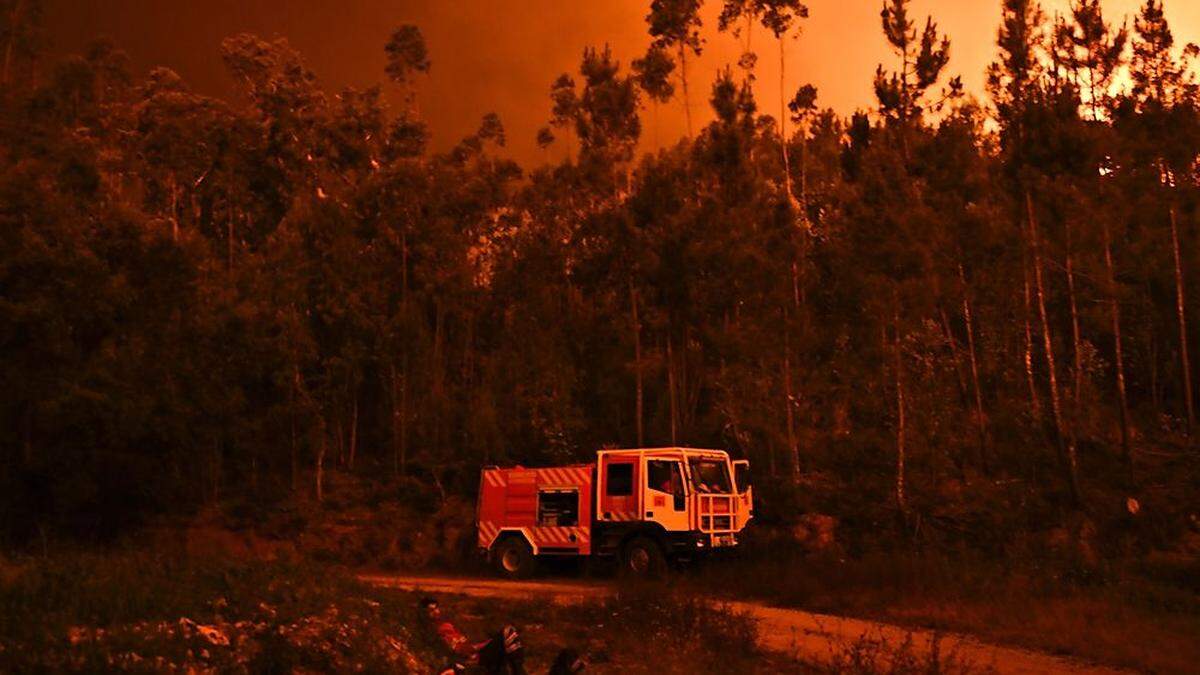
954 321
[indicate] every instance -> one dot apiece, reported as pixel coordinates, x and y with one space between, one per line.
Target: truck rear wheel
513 558
643 557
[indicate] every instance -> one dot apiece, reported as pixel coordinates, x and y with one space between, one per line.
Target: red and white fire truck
644 506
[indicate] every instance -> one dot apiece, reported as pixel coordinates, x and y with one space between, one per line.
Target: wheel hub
511 560
639 560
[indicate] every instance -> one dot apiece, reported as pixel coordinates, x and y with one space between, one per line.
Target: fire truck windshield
710 475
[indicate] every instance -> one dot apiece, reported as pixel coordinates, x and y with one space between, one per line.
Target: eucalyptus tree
407 60
675 24
781 17
739 18
23 37
653 72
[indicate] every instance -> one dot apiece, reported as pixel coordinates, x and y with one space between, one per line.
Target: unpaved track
812 637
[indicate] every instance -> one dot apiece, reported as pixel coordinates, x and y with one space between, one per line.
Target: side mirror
741 475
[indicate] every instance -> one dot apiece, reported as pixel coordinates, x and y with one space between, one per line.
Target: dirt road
808 636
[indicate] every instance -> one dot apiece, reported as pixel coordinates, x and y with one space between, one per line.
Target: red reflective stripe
487 532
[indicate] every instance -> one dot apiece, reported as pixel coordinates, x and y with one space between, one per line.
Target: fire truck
645 507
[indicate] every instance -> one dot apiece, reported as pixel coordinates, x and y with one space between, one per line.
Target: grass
138 611
143 612
639 630
652 629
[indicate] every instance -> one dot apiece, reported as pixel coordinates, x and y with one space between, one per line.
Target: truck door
745 491
665 501
618 498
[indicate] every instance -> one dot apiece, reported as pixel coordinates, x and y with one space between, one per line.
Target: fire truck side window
742 473
558 508
618 480
664 476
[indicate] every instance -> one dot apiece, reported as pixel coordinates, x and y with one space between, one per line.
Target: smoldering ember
650 336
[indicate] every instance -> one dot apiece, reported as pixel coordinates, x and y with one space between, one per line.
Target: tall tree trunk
672 394
799 303
1076 343
295 454
27 434
353 426
322 447
1066 451
901 449
1118 352
174 208
14 21
339 433
404 416
229 238
438 389
804 174
772 462
789 406
637 365
216 470
980 418
406 341
683 80
783 137
1035 402
1183 331
394 399
952 342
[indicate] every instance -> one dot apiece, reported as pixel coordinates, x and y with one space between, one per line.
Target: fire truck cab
643 506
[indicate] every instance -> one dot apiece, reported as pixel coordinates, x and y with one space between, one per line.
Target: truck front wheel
643 557
513 558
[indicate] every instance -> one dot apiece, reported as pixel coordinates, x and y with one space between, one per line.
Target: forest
960 319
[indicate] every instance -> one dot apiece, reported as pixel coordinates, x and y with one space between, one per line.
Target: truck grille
716 523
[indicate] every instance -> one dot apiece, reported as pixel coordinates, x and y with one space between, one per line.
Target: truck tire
643 557
513 558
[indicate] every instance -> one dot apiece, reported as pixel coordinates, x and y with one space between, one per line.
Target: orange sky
501 55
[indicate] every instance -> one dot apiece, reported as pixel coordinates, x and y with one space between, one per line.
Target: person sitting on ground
568 662
502 653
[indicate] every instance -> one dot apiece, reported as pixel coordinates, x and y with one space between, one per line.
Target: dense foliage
946 318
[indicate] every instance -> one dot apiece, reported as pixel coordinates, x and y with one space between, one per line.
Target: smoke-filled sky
501 55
